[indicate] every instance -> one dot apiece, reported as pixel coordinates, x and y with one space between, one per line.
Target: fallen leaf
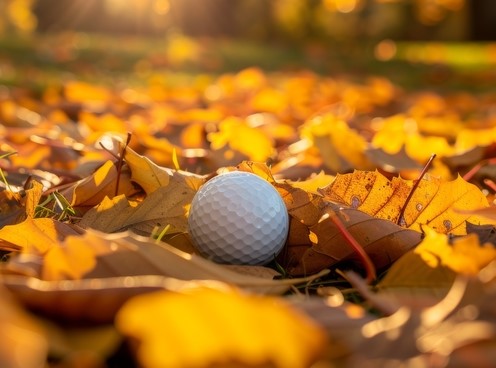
24 341
228 328
412 278
35 235
91 190
315 243
240 137
341 147
165 206
434 202
105 270
145 172
314 182
12 208
465 255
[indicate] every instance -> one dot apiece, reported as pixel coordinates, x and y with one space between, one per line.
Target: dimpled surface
238 218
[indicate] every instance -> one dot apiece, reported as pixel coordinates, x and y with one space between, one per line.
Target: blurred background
337 36
294 20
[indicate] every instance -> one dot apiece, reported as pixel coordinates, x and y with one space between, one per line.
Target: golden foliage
202 327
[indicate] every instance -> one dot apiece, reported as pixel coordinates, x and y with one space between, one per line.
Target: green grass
40 60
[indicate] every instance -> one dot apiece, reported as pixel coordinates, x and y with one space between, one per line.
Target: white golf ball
238 218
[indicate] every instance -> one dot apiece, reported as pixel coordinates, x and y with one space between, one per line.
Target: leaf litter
94 230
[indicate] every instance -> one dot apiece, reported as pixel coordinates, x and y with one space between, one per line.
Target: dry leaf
465 255
165 206
91 190
434 202
239 136
105 270
24 343
315 243
36 235
208 326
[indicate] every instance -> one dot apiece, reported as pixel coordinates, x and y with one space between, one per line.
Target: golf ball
238 218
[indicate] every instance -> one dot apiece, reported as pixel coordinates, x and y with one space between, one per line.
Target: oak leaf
434 203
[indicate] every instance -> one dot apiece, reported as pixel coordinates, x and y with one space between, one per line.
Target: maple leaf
255 330
434 202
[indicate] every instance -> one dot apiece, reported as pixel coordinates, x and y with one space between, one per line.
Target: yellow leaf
24 343
70 260
239 136
145 172
85 92
315 182
203 327
269 100
33 196
36 235
434 202
91 190
337 142
466 255
166 205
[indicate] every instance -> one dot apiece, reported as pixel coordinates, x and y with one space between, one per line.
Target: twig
414 188
355 245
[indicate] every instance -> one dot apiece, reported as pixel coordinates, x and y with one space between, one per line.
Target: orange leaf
90 191
434 202
36 235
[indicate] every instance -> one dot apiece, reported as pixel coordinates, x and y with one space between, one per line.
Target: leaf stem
120 163
355 245
414 188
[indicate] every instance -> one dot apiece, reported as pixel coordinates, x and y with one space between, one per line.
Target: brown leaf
116 267
11 208
315 243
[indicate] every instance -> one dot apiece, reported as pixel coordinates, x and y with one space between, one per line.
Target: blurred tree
483 20
295 20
